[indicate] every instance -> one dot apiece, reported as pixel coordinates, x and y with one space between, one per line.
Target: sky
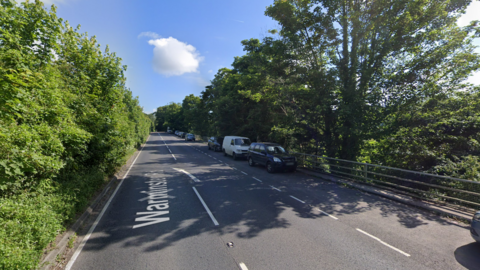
173 48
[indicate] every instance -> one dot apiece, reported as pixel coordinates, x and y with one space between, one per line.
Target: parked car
189 137
272 156
235 146
475 227
177 132
215 143
183 134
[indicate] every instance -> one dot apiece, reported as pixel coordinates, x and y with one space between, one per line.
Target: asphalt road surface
182 206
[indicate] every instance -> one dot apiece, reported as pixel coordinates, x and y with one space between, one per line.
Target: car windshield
276 150
242 142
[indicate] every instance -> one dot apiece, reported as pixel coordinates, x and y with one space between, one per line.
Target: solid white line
244 173
170 151
94 225
206 207
275 188
243 266
297 199
378 239
327 214
187 173
257 179
174 157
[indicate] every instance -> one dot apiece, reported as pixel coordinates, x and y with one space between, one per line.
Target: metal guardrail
436 188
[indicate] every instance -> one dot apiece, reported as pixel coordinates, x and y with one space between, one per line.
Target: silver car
475 227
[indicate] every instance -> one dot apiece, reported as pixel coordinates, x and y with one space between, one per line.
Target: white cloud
172 57
471 14
210 71
149 34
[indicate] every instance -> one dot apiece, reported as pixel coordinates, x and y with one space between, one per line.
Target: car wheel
234 156
250 162
269 167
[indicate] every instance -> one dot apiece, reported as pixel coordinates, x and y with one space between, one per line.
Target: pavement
182 206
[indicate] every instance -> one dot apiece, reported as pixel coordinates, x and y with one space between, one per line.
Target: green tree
366 60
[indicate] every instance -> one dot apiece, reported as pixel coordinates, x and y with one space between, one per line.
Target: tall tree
367 59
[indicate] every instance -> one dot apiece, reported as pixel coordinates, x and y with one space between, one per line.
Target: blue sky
213 28
151 36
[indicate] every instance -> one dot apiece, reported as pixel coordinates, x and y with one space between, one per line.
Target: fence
454 192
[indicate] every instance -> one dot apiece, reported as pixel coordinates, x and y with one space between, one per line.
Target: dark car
189 137
475 227
272 156
183 134
215 143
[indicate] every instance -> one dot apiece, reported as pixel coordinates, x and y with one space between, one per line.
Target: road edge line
94 225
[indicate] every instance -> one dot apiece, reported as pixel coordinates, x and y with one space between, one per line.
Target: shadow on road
245 218
469 256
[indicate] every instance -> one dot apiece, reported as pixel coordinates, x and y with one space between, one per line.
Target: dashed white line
257 179
327 214
174 156
234 168
187 173
296 199
244 172
206 207
243 266
275 188
378 239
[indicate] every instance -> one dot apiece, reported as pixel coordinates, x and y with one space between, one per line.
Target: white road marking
209 156
94 225
244 173
327 214
296 199
275 188
234 168
170 151
187 173
243 266
174 157
206 207
257 179
378 239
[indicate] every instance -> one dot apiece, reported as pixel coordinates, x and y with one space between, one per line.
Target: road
182 206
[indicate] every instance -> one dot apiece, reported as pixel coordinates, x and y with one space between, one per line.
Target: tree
366 60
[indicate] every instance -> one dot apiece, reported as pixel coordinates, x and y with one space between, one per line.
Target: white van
236 146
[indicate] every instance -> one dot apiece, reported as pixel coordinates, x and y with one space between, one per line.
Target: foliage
441 136
66 121
373 81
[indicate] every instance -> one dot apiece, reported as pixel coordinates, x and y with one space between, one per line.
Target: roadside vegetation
67 121
382 82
